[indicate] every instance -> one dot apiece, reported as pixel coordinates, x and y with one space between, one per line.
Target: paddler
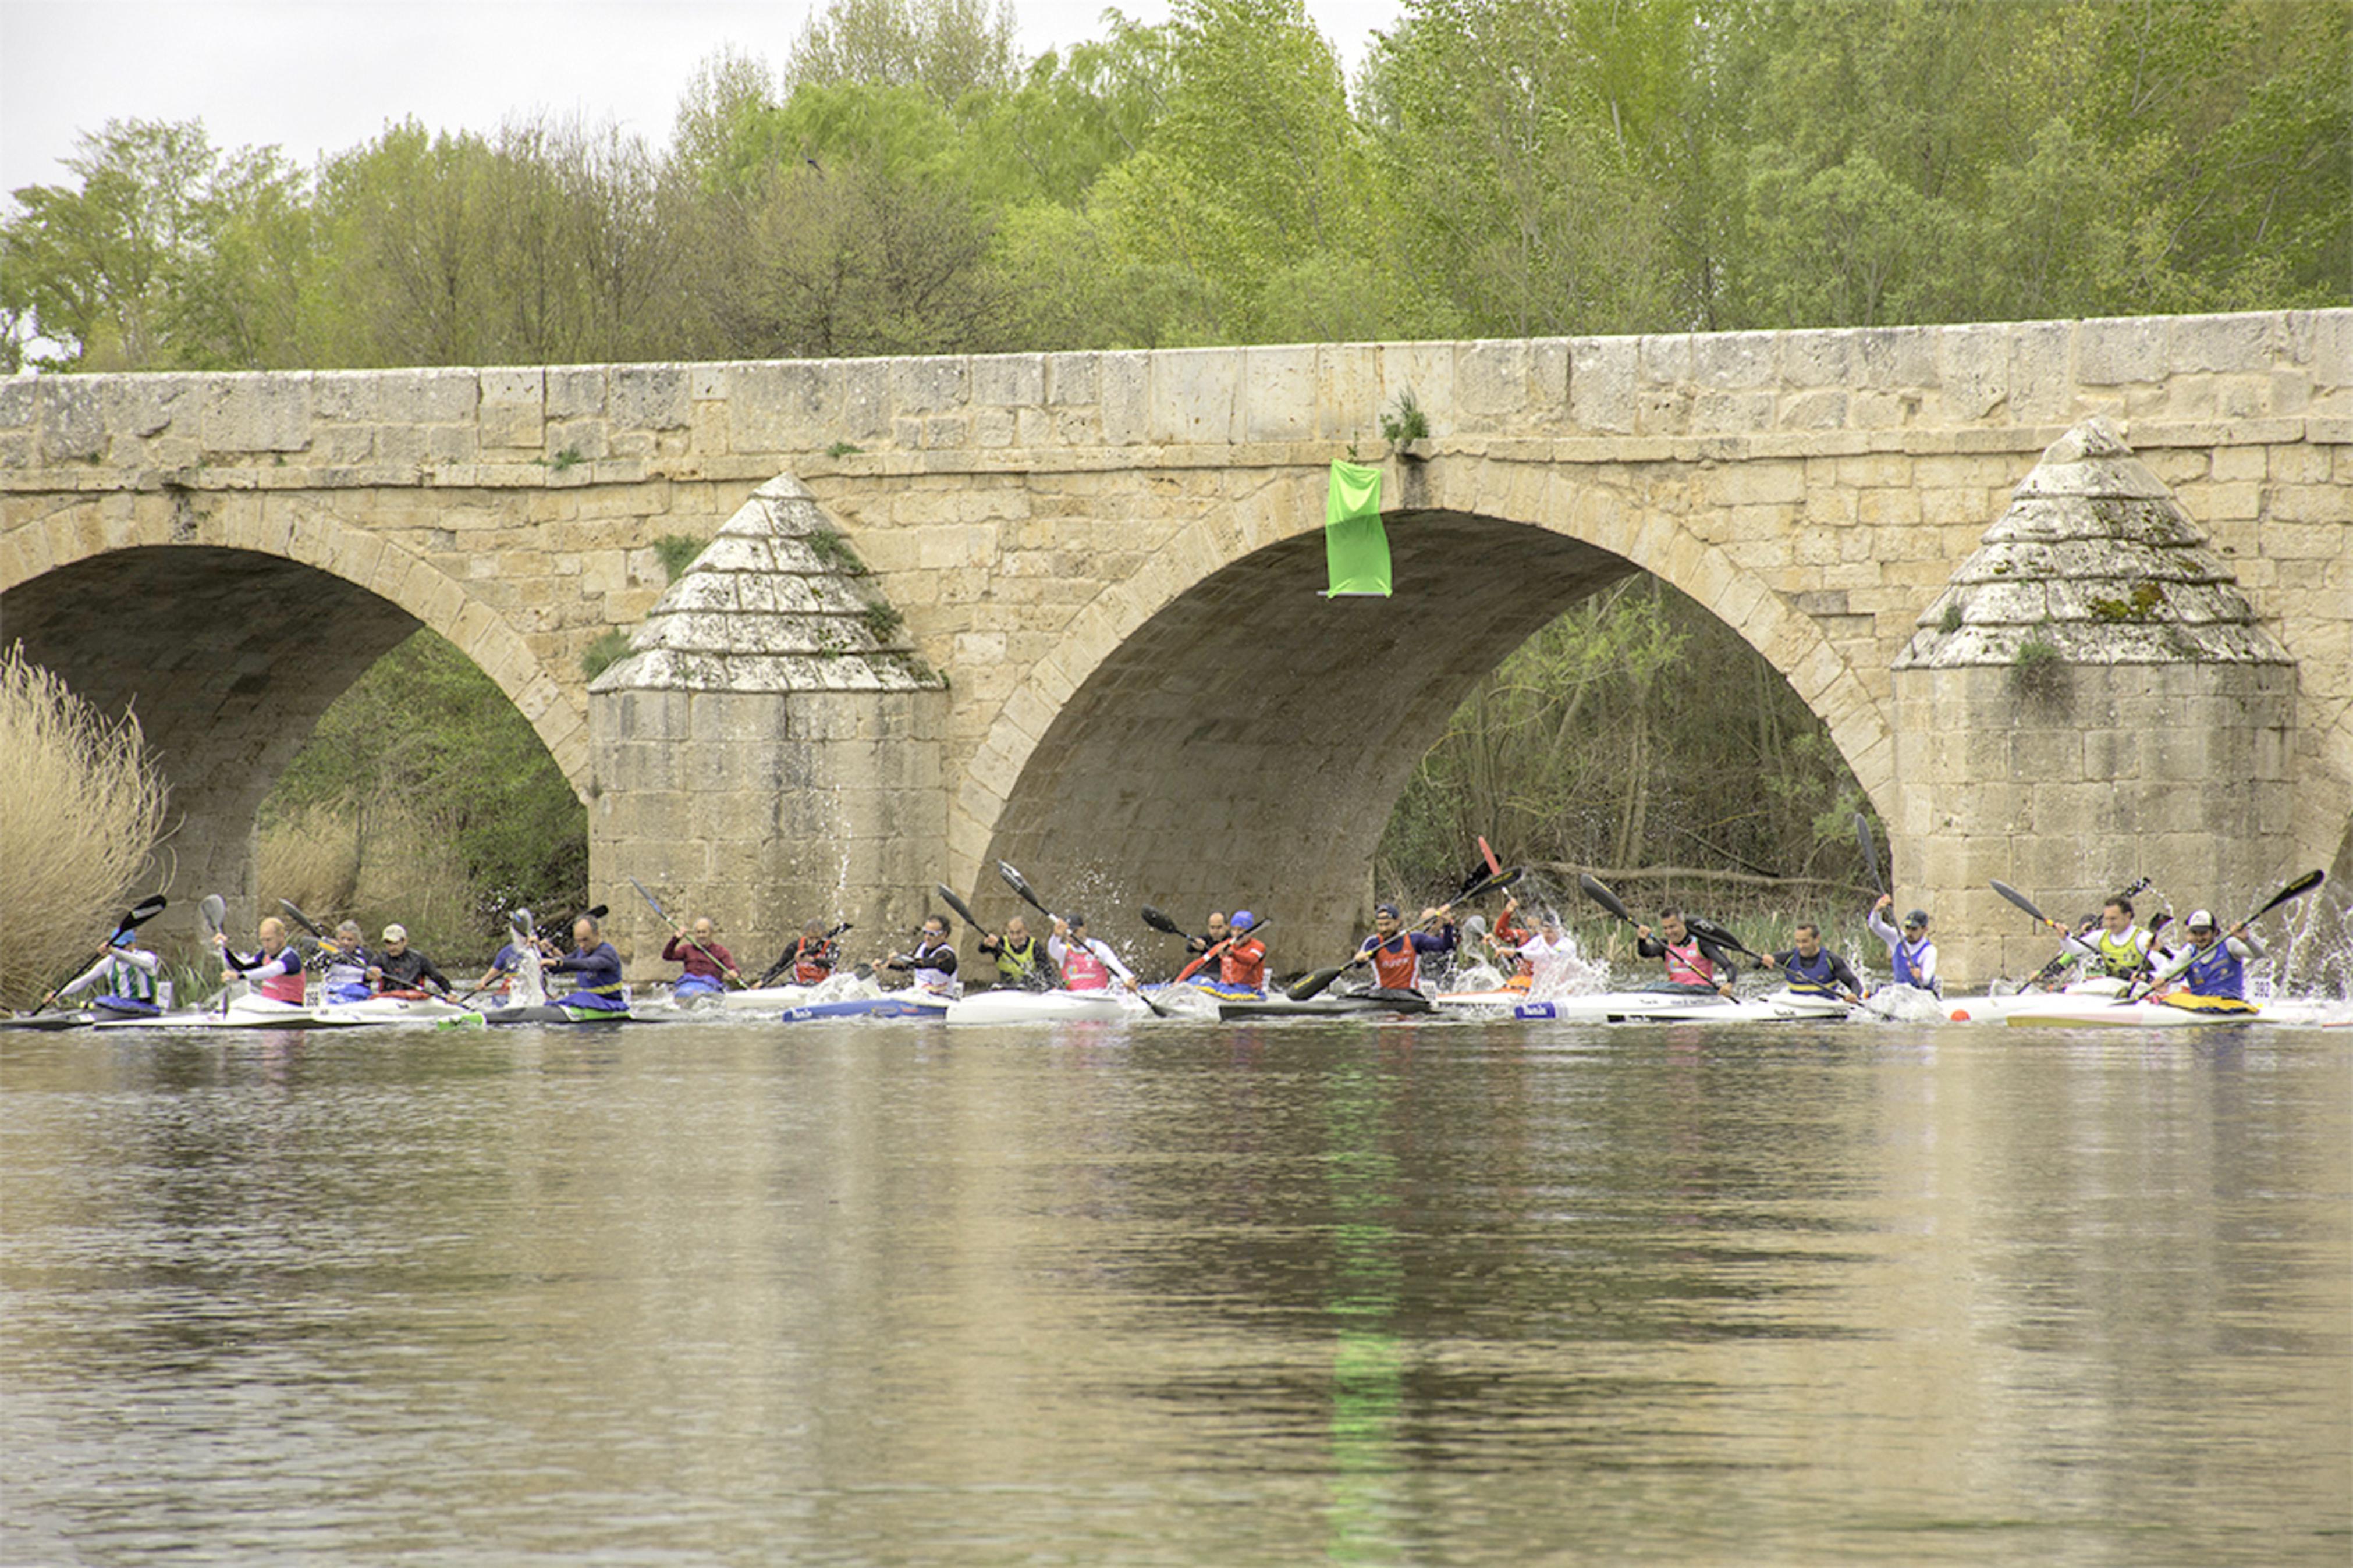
504 965
707 966
1692 961
598 967
1813 970
1087 962
346 974
124 975
1512 936
400 967
812 957
2213 965
276 969
1910 954
1549 957
1022 963
1396 952
2119 948
932 964
1242 965
1216 933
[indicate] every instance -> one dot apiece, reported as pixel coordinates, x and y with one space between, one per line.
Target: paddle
1707 930
1194 968
299 919
726 974
1161 923
1312 985
1021 885
137 915
2066 937
213 911
1870 852
2294 891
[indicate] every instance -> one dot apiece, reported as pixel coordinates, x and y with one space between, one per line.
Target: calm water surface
1174 1293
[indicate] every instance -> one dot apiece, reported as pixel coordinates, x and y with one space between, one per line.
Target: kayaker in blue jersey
1691 961
1910 954
124 976
1812 969
345 965
503 969
597 969
2213 965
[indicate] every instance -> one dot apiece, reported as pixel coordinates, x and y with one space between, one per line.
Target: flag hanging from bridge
1356 547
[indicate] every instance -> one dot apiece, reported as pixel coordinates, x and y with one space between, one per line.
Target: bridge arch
230 634
1209 720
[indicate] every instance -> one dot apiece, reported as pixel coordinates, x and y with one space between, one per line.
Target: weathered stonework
1041 521
2090 701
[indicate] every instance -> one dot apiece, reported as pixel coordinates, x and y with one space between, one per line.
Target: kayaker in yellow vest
2121 945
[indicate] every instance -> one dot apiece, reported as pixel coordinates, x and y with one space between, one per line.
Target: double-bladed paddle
137 915
1710 933
1870 852
2066 938
784 962
2294 891
726 974
1311 985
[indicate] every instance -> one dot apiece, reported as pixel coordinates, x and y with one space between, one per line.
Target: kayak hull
898 1005
1667 1006
243 1013
1367 1004
47 1021
408 1010
2064 1012
1008 1006
542 1013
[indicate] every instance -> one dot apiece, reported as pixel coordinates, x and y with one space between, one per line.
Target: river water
1178 1293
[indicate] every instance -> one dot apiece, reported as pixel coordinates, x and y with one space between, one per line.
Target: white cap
396 933
2201 918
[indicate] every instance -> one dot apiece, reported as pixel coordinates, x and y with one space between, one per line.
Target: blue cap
1389 909
1243 919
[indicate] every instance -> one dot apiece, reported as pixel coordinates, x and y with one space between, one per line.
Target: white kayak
242 1012
411 1010
2100 991
1666 1006
1500 999
1012 1007
2175 1010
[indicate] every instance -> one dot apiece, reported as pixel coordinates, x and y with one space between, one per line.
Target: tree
948 48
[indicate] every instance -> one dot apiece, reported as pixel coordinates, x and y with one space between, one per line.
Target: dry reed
408 872
83 811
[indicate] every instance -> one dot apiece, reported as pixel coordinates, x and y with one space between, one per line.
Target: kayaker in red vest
1086 964
276 970
1691 961
1511 936
1243 964
811 958
1396 952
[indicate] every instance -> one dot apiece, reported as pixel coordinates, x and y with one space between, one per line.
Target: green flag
1356 547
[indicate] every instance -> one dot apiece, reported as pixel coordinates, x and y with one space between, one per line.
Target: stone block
1732 362
1819 359
1491 378
1602 374
650 397
1126 381
1279 390
1008 381
72 419
2236 343
2120 352
1898 358
1072 379
929 385
793 407
1195 396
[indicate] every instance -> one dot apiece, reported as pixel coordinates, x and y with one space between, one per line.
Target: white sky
314 75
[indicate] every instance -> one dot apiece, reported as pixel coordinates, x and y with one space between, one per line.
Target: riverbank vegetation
904 182
85 810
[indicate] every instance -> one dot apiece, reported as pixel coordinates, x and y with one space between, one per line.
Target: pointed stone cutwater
2090 701
2096 561
768 752
776 601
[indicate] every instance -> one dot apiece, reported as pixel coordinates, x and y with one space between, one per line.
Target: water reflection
1376 1293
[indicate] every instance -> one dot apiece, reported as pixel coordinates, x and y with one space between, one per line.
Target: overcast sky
326 74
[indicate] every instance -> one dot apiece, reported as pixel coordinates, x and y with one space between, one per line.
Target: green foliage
677 553
836 552
2143 603
611 646
424 736
1404 420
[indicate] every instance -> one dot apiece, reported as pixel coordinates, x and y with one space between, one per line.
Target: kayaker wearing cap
1910 953
401 967
1691 961
1086 963
124 975
1242 966
1813 969
2213 965
1396 952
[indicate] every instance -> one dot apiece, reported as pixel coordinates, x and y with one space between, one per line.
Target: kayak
1350 1004
47 1021
247 1012
897 1005
540 1013
2100 991
392 1009
1502 998
1012 1007
2173 1010
1665 1007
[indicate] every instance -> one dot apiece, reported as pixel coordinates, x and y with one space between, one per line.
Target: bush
85 810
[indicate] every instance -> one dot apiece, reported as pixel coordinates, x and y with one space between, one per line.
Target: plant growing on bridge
1404 420
834 552
611 647
2038 669
677 553
85 810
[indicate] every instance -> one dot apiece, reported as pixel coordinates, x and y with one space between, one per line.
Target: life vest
1023 966
344 969
931 979
285 981
127 980
1516 936
1687 965
2121 955
1082 970
1906 958
812 964
601 965
1243 965
2217 971
1399 971
1809 976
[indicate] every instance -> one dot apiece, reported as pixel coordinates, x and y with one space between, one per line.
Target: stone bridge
1062 609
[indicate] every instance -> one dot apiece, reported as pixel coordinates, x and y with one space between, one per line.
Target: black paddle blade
2294 889
649 899
1870 850
299 919
958 905
1708 931
1020 885
1301 989
1594 889
597 911
145 909
1161 923
2023 902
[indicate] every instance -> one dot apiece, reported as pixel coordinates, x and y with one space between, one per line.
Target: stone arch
230 640
1113 728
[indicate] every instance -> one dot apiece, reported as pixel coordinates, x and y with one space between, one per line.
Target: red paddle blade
1494 867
